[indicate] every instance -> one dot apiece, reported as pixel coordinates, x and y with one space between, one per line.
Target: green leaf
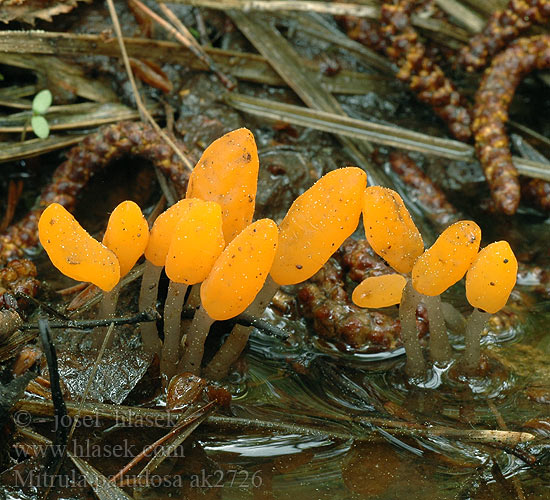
41 102
40 126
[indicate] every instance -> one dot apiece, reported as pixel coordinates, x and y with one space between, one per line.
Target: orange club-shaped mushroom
74 252
227 173
313 229
126 236
156 251
489 282
196 244
233 283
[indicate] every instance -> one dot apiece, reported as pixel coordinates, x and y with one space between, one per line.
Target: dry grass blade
336 9
182 34
54 72
352 127
373 132
338 429
185 429
284 59
463 15
242 65
73 116
14 151
144 113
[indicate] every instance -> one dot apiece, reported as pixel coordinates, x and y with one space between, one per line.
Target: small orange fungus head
163 229
127 235
227 173
317 224
74 252
240 271
389 228
196 244
492 277
379 291
448 259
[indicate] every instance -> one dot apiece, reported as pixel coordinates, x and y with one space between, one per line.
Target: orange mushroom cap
163 230
227 173
74 252
389 228
492 276
196 244
240 271
448 259
317 224
127 235
379 291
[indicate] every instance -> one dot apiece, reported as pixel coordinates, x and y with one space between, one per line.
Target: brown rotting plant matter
503 27
491 114
325 300
399 41
85 160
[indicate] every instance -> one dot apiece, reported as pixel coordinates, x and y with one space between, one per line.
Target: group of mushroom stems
208 242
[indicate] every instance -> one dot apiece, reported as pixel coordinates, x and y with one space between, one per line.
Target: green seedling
40 105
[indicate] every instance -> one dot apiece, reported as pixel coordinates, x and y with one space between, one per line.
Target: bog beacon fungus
233 283
74 252
314 227
196 244
156 251
437 269
126 236
227 173
379 291
489 282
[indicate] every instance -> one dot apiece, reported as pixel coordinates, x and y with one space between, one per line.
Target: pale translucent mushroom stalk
234 282
416 365
196 244
472 339
315 226
236 341
127 235
440 347
148 299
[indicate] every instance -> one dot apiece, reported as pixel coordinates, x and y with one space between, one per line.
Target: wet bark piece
397 38
86 159
491 114
502 27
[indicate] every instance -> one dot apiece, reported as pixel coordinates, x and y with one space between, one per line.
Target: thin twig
185 38
174 432
85 324
146 116
138 415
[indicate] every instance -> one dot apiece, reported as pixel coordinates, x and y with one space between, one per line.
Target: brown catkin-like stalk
503 27
491 114
398 39
85 160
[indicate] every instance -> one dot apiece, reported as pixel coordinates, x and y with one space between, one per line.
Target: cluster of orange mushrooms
208 238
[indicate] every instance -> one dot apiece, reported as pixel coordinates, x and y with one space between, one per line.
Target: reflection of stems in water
160 418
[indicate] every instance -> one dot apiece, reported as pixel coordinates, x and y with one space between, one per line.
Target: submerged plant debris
320 405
